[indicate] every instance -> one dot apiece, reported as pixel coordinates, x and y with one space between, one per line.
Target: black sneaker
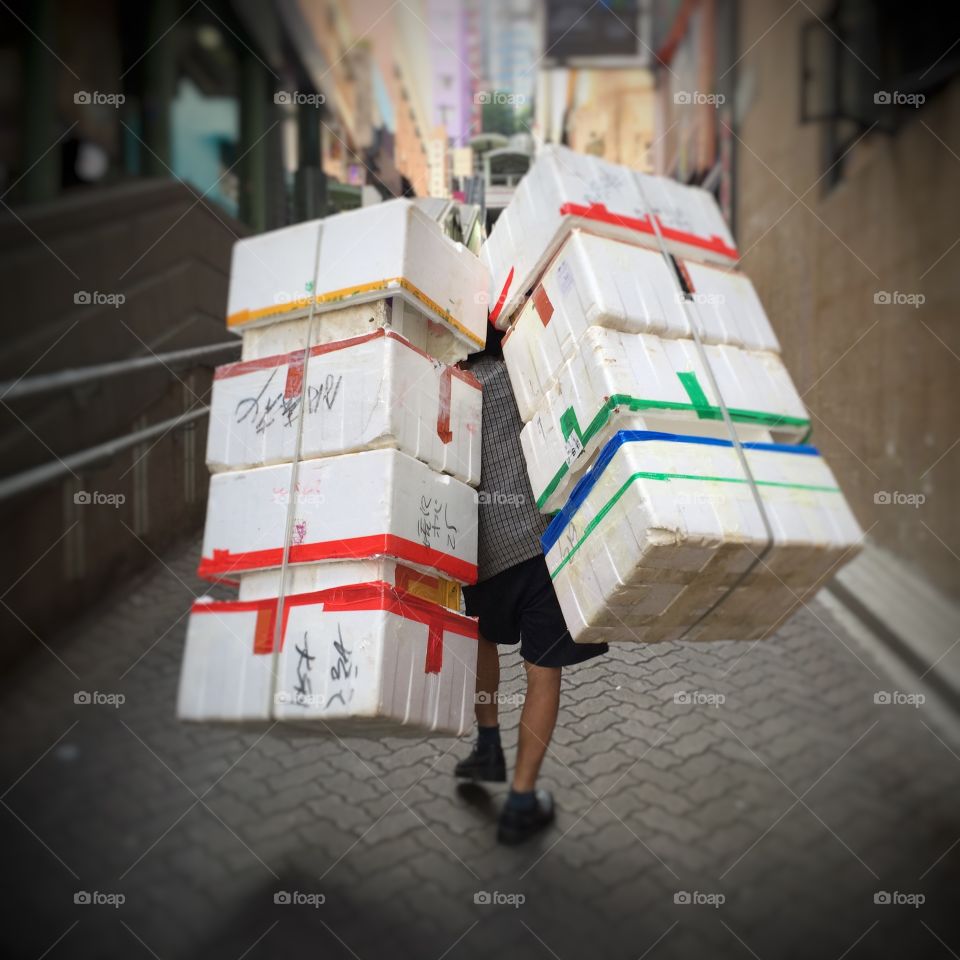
484 763
519 825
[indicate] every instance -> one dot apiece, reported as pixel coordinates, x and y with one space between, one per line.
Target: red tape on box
599 212
376 595
443 407
223 562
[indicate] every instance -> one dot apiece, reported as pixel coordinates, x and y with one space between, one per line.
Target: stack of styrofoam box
658 533
351 326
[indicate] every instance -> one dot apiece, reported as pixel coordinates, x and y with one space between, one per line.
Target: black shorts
520 605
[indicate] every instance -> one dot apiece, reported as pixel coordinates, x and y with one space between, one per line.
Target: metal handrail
47 382
38 476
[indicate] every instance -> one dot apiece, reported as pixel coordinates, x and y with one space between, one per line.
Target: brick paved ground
797 799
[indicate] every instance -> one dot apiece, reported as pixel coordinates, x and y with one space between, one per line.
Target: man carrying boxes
641 401
515 603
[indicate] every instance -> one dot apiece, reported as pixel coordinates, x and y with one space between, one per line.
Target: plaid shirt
510 526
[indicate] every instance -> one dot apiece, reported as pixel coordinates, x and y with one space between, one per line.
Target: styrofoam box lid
393 247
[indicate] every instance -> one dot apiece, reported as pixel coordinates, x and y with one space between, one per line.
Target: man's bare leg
488 682
537 721
528 810
486 761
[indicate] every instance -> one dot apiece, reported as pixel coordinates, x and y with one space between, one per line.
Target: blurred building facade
512 31
256 105
452 85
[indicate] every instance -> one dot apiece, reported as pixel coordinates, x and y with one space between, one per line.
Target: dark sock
521 801
488 736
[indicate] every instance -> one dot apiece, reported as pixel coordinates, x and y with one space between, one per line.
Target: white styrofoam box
727 308
664 525
227 671
375 503
362 658
596 281
356 320
563 190
371 391
311 577
635 381
388 249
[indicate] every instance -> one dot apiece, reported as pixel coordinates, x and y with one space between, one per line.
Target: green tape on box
698 404
643 475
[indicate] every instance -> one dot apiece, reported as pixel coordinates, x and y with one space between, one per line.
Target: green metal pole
255 93
310 184
40 69
160 78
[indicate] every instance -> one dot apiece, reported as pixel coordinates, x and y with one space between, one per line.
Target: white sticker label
564 277
573 447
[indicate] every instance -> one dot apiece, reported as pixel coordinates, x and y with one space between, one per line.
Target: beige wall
880 380
613 117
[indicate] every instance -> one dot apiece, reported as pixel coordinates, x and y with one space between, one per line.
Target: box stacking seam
312 577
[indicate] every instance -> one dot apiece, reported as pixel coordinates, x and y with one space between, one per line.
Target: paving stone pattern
779 802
